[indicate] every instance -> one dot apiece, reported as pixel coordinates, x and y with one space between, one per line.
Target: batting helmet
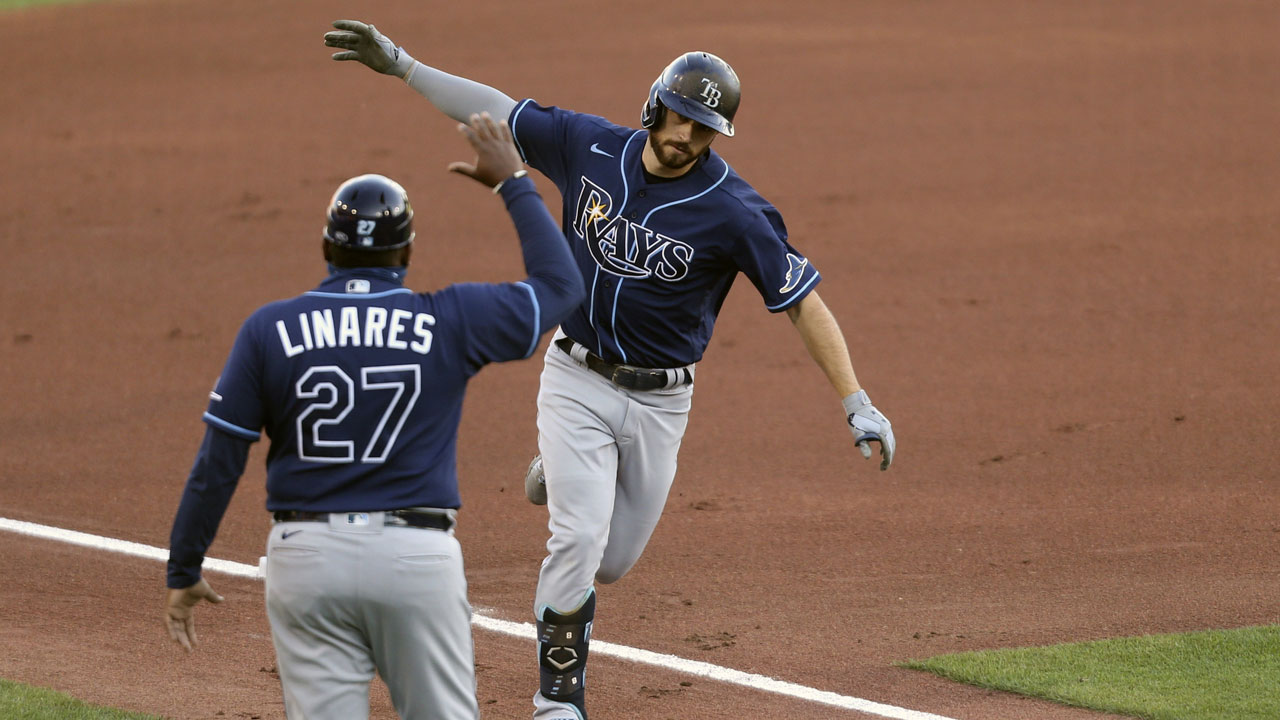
370 212
699 86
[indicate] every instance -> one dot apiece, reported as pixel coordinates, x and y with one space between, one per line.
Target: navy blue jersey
657 258
359 385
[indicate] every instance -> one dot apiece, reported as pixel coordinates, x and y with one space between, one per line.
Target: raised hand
362 42
496 156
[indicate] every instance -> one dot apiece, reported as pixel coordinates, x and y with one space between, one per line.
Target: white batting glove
364 43
869 425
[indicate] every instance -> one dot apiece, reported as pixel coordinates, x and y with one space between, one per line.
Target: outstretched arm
553 275
825 343
457 97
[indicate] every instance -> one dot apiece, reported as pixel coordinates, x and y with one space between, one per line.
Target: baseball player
660 226
359 384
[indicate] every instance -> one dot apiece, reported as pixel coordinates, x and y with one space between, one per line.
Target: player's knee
612 572
577 544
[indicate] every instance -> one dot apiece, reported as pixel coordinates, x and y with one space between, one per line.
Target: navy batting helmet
699 86
370 212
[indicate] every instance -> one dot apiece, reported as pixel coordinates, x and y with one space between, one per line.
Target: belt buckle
625 376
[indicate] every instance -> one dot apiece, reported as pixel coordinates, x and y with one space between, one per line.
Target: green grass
14 4
23 702
1213 675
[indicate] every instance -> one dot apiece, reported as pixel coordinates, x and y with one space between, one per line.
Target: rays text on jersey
369 326
622 247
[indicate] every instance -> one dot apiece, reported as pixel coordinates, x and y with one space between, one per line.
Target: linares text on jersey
369 326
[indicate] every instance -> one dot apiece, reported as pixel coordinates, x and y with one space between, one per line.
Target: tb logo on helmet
696 85
711 93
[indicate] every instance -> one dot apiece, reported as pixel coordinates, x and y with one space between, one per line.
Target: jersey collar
706 172
378 279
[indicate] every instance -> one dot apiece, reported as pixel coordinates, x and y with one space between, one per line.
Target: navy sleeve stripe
537 317
230 428
799 294
515 115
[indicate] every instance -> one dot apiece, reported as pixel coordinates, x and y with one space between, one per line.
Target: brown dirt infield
1050 231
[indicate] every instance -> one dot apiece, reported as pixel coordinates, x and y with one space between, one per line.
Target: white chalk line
524 631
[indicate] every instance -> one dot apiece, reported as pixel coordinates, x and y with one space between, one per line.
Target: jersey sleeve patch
779 272
799 278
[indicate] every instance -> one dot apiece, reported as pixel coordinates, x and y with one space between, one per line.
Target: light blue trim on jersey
515 116
233 429
622 170
358 296
626 197
714 185
537 317
798 293
645 222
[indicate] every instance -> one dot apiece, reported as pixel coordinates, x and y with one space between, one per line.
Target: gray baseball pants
609 455
346 598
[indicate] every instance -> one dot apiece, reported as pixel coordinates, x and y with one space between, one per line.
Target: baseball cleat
535 482
547 709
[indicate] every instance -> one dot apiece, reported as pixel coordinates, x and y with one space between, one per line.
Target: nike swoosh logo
285 535
595 148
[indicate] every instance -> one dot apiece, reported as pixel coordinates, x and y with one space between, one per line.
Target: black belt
398 518
628 376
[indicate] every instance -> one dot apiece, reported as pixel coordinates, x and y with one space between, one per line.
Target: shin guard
562 653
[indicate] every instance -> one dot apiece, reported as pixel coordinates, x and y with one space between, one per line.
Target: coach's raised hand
364 43
496 156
